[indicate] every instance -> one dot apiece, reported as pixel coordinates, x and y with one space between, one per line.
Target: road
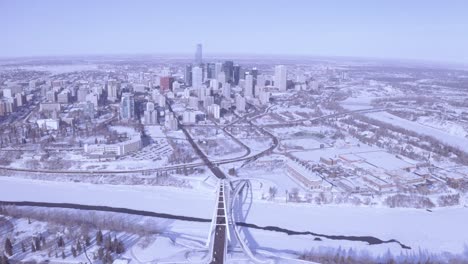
205 160
219 242
219 248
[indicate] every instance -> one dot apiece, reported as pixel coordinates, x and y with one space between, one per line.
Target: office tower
197 77
201 93
161 101
222 77
236 74
259 85
240 103
211 71
51 96
227 90
150 115
63 97
112 91
81 94
218 69
20 99
248 87
188 75
214 110
228 69
198 55
165 83
93 98
254 73
264 97
214 84
127 106
280 77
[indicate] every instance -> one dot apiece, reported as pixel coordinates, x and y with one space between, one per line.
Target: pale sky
397 29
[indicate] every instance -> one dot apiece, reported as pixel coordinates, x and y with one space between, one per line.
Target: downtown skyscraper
280 78
198 55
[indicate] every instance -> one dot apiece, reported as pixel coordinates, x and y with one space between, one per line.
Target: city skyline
428 30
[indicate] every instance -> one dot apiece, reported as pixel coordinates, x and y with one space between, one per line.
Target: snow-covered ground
451 139
437 231
169 200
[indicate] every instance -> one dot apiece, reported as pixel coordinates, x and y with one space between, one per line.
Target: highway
205 160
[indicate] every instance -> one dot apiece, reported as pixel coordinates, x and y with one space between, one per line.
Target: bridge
219 235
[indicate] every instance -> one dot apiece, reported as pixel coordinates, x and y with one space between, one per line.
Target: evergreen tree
87 240
115 244
60 242
99 238
78 247
37 243
43 242
108 243
108 258
8 247
73 251
100 253
120 248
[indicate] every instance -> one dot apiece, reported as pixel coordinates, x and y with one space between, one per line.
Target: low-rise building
306 177
118 149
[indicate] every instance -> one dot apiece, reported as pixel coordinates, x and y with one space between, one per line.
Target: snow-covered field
447 138
437 231
169 200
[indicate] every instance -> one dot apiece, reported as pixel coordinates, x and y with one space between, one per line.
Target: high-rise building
240 103
248 86
211 71
214 110
197 77
93 98
198 55
127 106
260 81
81 94
264 97
112 91
218 69
63 97
228 69
171 122
280 77
226 90
222 77
51 96
236 74
254 73
150 115
188 75
165 83
20 99
214 84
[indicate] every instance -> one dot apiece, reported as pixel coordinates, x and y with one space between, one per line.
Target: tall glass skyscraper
198 55
228 69
127 106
